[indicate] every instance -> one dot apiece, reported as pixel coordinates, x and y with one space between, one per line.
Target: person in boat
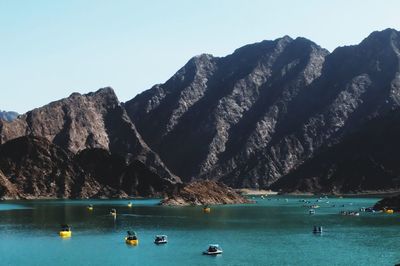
131 235
65 228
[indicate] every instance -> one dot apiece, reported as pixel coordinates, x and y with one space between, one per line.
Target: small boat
311 211
314 206
161 239
65 231
362 209
131 238
130 204
206 209
90 207
369 209
113 212
388 211
317 229
213 249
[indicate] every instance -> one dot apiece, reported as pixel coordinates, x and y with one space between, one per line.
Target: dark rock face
8 116
252 117
366 160
94 120
35 168
111 170
204 192
32 167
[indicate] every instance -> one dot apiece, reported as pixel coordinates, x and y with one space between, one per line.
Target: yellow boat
388 211
131 239
129 204
90 207
206 209
65 231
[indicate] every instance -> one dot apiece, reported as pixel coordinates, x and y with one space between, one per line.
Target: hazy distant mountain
255 116
8 116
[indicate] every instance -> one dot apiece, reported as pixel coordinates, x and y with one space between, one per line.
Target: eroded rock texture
252 117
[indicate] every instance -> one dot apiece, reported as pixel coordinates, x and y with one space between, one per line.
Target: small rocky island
389 203
203 192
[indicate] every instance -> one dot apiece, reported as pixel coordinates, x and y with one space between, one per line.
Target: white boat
213 249
311 211
161 239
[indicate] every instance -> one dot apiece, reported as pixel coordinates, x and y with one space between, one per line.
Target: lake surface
270 232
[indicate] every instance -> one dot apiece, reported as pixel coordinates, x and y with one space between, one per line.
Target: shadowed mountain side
93 120
367 160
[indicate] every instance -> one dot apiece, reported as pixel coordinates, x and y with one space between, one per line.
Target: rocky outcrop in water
204 192
257 115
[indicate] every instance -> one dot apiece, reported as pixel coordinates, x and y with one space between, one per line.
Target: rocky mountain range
257 115
285 114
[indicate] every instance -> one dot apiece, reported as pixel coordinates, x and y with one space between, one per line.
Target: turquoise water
270 232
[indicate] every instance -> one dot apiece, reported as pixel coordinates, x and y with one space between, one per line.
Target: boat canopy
131 233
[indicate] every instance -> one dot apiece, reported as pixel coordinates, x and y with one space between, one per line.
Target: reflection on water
271 232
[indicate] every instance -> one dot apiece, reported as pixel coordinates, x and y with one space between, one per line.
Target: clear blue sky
49 49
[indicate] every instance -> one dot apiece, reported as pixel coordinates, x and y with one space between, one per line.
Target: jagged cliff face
94 120
366 160
32 167
256 115
35 168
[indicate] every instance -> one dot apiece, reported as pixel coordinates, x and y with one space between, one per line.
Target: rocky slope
8 116
366 160
33 167
94 120
252 117
204 192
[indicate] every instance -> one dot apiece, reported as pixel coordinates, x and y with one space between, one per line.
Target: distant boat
131 238
317 229
65 231
161 239
113 213
311 211
90 207
206 209
213 249
129 204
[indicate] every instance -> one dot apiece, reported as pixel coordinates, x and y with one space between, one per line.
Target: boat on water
206 209
388 211
129 204
113 212
317 229
161 239
131 238
65 231
90 207
350 213
311 211
213 249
